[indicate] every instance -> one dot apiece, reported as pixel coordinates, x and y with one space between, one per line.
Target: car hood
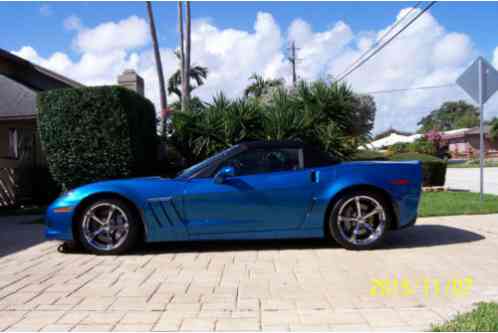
136 189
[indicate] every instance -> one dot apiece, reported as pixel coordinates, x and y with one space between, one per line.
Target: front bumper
59 225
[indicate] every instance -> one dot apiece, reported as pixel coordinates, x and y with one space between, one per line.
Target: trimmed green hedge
97 133
433 168
368 155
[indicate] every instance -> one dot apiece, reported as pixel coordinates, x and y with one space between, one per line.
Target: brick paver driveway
276 285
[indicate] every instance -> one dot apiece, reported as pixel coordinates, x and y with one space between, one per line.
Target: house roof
463 132
456 133
32 75
18 101
20 80
475 130
389 132
392 139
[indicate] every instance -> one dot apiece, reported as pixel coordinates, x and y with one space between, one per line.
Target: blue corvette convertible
256 190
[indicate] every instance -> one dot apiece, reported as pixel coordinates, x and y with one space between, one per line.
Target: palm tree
187 53
159 66
183 72
260 86
196 73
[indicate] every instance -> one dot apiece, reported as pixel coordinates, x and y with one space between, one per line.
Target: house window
13 140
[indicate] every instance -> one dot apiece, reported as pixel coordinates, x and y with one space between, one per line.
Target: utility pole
480 81
481 86
292 59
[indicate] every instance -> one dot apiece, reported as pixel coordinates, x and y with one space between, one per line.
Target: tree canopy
493 133
261 86
197 73
326 115
451 115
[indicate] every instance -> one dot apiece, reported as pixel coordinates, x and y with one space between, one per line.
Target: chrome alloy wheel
105 226
361 220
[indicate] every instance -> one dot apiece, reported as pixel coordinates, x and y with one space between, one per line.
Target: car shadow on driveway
18 233
416 236
429 235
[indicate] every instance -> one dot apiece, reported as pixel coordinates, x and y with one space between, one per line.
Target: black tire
333 220
129 241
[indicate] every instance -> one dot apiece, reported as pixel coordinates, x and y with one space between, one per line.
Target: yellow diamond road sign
469 80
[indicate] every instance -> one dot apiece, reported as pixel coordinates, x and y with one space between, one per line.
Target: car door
270 192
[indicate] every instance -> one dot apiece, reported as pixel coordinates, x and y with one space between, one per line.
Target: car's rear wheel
359 220
108 226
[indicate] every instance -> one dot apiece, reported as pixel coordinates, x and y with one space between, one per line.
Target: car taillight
401 181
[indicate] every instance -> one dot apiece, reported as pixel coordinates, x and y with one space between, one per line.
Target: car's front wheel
359 220
108 226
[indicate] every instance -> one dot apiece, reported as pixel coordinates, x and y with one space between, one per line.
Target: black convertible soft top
313 157
273 144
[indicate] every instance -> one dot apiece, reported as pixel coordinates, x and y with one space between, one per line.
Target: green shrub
422 146
170 161
433 168
483 318
326 115
399 148
368 155
96 133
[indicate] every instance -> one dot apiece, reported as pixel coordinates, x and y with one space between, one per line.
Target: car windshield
190 171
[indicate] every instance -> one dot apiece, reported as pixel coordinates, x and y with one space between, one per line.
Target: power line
387 42
376 43
409 89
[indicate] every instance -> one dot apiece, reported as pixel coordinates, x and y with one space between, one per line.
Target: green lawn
456 203
482 319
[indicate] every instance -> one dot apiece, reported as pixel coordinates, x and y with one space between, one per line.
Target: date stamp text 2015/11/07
455 287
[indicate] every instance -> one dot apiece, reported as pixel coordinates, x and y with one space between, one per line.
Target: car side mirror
223 174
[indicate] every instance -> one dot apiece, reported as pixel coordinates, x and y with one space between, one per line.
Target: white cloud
452 50
30 54
424 54
233 55
317 49
126 34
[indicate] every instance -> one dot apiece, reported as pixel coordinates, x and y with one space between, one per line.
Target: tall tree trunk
187 52
182 58
159 68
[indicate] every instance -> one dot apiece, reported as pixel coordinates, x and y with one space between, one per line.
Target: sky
93 42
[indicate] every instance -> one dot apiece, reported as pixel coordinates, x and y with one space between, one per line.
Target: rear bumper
407 198
409 224
406 209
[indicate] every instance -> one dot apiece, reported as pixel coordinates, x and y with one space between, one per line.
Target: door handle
315 176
